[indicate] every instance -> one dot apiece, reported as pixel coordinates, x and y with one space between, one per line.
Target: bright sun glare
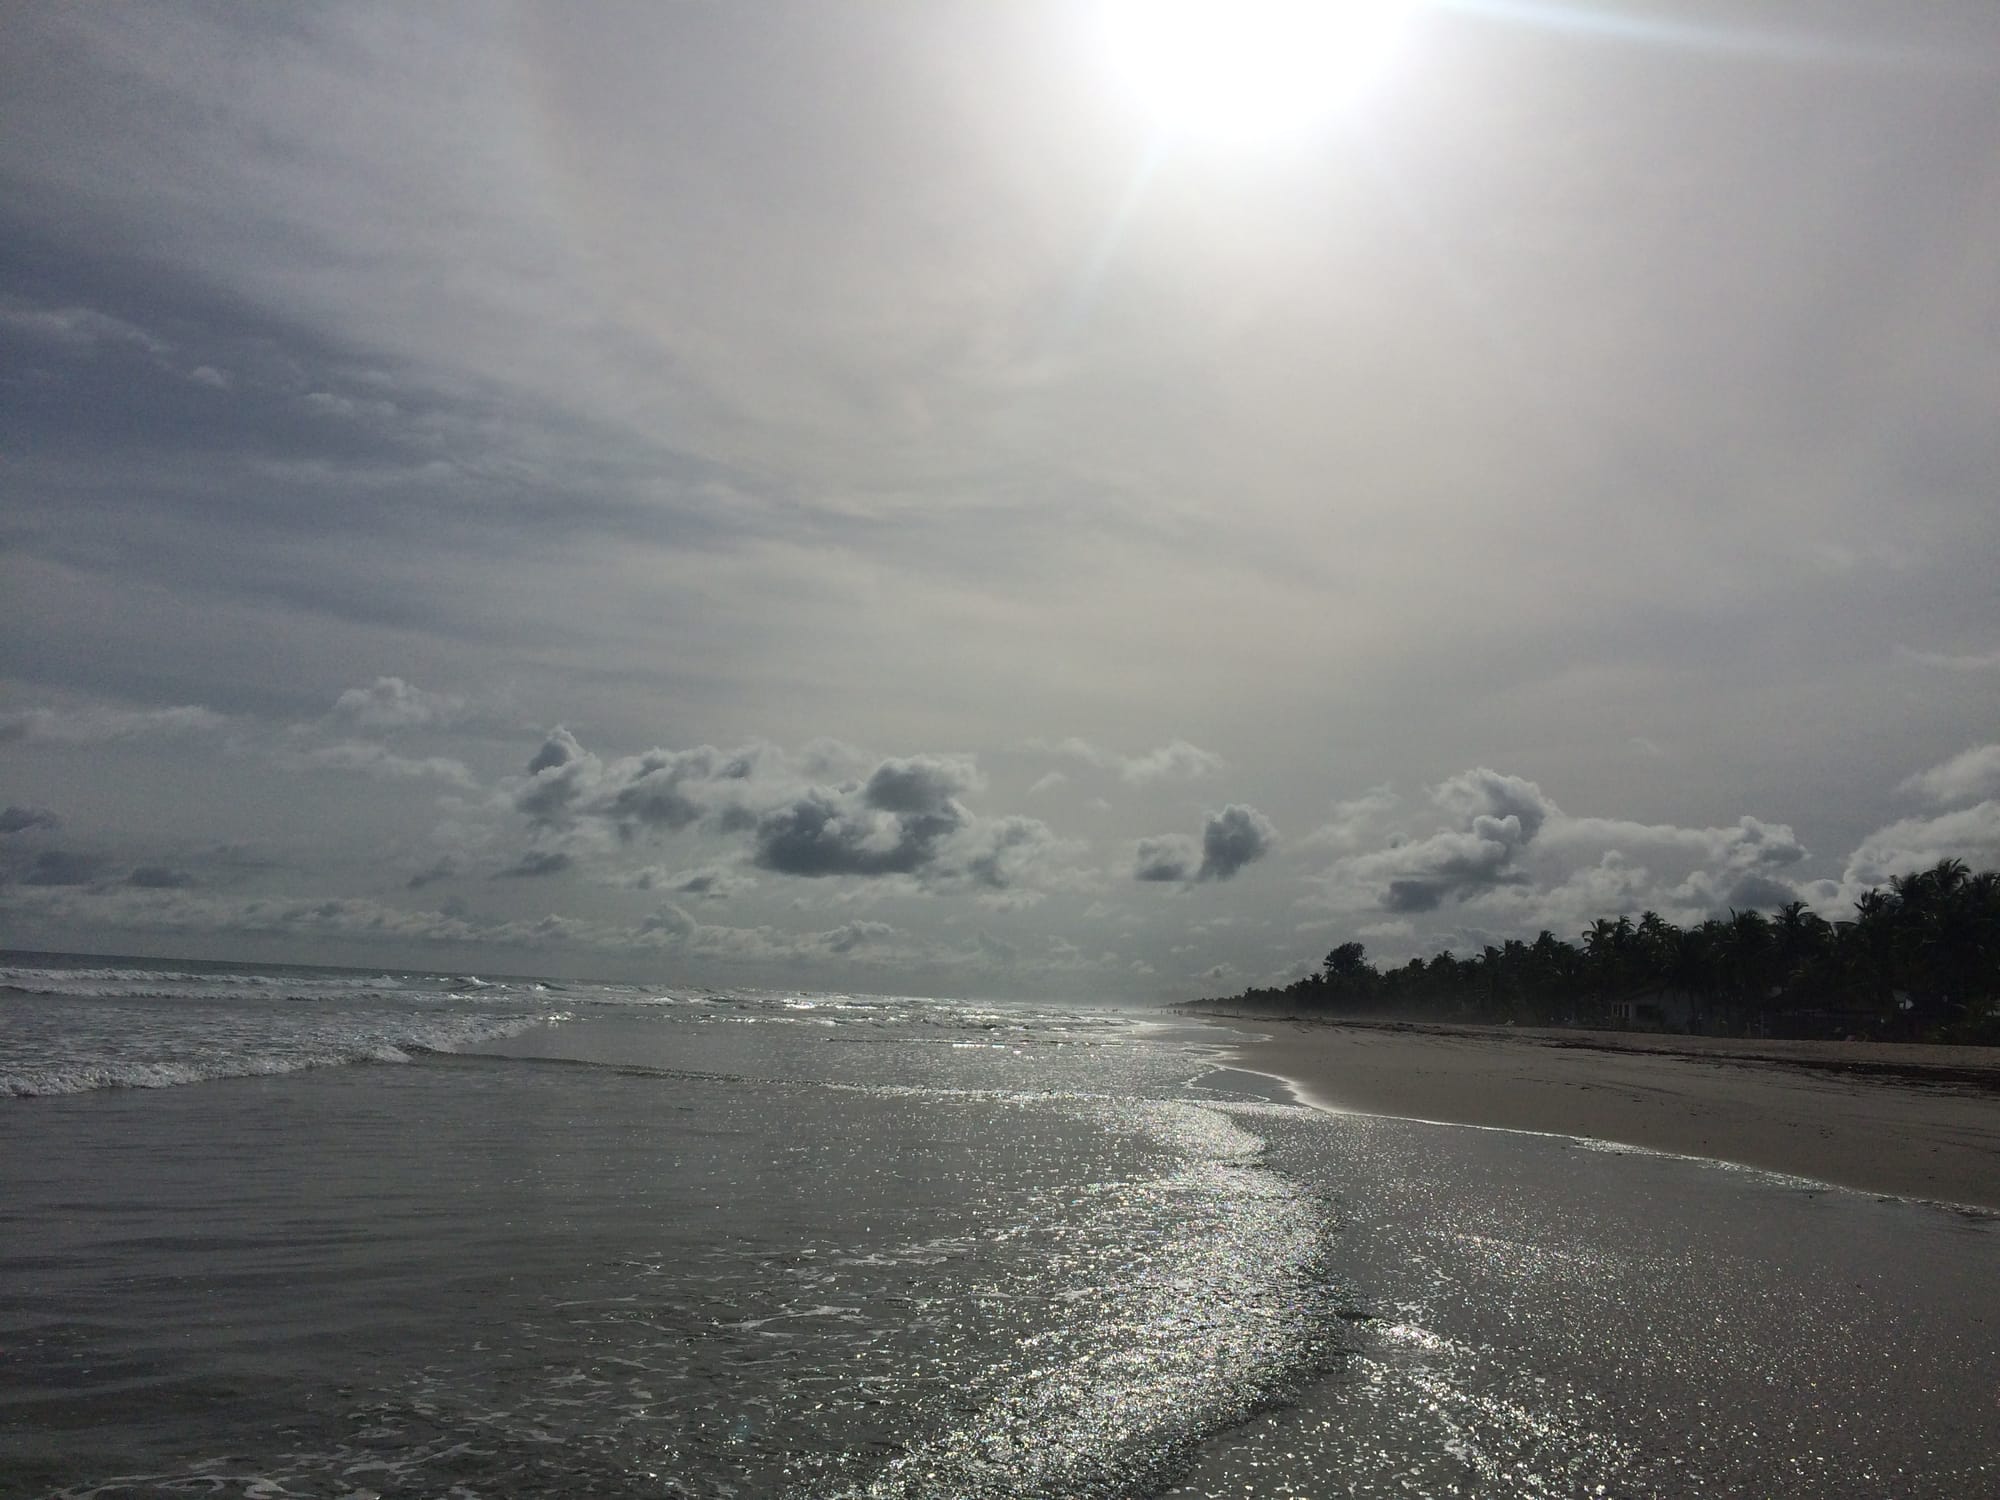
1249 71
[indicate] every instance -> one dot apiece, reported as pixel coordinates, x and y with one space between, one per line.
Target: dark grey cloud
707 883
160 878
860 934
825 833
660 791
15 819
920 785
904 817
444 868
559 773
668 790
1452 866
1761 892
1237 836
537 863
1167 858
64 867
1499 816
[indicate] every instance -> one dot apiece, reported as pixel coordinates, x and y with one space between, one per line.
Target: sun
1247 71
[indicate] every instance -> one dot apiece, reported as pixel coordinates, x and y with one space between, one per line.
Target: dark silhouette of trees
1918 959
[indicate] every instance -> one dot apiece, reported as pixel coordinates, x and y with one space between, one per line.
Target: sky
897 497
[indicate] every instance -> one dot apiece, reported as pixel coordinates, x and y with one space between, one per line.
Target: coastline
1903 1120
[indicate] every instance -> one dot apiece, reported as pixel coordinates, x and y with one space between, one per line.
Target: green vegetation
1919 960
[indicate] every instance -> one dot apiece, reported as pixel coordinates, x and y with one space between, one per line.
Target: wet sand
1911 1121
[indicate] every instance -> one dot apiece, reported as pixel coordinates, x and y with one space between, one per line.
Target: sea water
276 1231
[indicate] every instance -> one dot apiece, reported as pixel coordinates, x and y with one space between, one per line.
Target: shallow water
634 1244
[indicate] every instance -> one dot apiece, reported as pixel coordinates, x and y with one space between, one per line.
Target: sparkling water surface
304 1232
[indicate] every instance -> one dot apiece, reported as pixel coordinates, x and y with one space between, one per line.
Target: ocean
271 1231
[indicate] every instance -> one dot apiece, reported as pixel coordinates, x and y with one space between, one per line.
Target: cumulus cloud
1966 776
103 725
903 817
661 791
392 703
1237 836
1176 760
1968 833
829 832
668 790
26 819
1482 793
1512 852
559 775
1497 815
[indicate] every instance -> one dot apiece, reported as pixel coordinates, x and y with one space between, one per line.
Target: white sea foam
358 1040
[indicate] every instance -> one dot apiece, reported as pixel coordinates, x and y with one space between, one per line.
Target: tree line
1918 960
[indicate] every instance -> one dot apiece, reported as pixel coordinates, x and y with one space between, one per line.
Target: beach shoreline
1903 1120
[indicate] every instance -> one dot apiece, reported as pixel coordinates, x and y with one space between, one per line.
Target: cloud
708 883
1004 852
1981 661
1047 783
922 785
1237 836
903 818
1499 815
1514 854
444 869
366 758
100 725
64 867
1492 794
1176 760
559 774
1354 819
1966 776
1968 833
668 790
80 328
1167 857
661 791
830 832
849 936
25 819
159 878
537 863
392 703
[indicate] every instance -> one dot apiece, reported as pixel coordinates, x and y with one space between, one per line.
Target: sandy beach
1907 1120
